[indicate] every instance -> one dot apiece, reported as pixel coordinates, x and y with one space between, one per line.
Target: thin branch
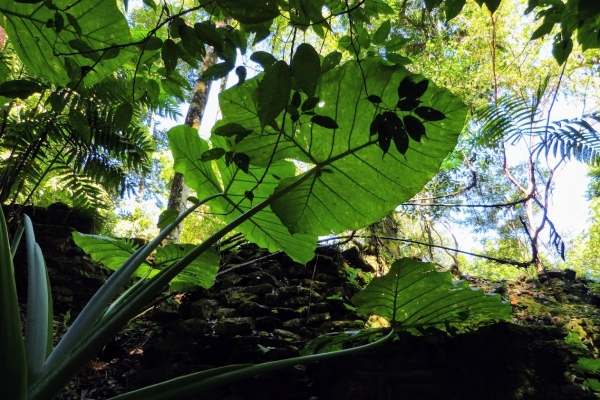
519 264
498 205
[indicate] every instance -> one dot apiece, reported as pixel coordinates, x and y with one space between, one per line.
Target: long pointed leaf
13 369
38 329
58 373
97 306
189 385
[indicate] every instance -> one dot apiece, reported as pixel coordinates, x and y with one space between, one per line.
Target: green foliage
334 171
304 149
265 229
577 18
77 48
413 296
14 383
113 253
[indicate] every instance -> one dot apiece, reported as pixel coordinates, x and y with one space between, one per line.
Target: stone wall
265 307
74 277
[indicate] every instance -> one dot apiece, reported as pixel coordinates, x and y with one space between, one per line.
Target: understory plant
344 175
308 147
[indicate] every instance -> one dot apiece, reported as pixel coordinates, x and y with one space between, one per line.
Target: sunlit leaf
331 61
264 228
167 217
97 23
382 32
112 253
413 294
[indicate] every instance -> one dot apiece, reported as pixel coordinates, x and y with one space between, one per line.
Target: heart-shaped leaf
413 294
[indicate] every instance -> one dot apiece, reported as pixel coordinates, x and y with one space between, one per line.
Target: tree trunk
179 191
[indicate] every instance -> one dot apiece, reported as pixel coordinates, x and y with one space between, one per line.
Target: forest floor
557 314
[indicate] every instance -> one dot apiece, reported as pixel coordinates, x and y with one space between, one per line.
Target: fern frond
575 138
510 120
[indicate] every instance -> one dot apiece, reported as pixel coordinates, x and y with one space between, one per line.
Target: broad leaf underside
352 183
413 294
113 253
264 229
348 183
101 24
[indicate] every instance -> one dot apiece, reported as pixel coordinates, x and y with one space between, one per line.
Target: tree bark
179 191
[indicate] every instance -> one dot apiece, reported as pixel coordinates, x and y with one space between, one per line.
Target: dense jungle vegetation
399 127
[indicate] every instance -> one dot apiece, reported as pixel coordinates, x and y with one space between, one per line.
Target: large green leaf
187 149
413 294
90 24
351 182
264 229
354 183
113 253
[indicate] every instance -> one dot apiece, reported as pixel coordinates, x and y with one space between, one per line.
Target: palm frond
576 138
509 120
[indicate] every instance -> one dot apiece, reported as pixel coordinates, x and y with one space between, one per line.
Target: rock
321 307
235 298
285 313
570 274
229 279
287 334
314 284
499 288
225 313
297 270
296 301
260 277
336 291
272 299
352 256
204 308
293 323
233 326
330 280
253 309
290 291
196 326
316 318
268 323
259 289
553 273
